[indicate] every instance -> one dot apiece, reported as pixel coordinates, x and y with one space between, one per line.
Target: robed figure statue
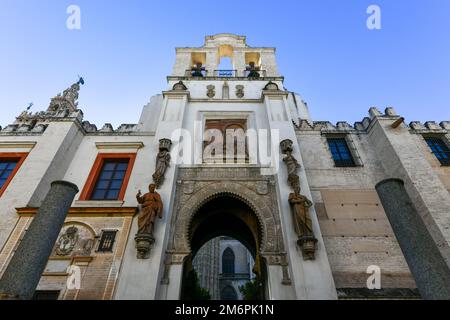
300 213
303 224
162 163
152 206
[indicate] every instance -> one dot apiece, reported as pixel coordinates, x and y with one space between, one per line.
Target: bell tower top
225 39
246 61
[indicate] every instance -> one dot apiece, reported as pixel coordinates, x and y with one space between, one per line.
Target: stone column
25 269
425 261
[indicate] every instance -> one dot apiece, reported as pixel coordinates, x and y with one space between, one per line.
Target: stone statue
300 212
303 224
162 161
299 204
152 206
291 163
292 167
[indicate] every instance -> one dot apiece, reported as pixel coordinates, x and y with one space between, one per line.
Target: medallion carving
74 240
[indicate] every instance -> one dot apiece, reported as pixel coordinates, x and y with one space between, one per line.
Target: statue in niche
152 206
197 70
162 161
253 70
225 91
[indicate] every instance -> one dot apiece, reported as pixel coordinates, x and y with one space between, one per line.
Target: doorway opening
224 269
226 231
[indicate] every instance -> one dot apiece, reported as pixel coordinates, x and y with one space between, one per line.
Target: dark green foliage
192 289
252 290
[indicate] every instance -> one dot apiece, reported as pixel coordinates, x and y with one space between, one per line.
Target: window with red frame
9 165
109 177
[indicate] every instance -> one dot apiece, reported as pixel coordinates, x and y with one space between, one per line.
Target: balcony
253 74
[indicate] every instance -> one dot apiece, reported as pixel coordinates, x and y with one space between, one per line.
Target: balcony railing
254 73
226 73
196 73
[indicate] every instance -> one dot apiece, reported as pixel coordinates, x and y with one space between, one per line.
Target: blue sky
125 49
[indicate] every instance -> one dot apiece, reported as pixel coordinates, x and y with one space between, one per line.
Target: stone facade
348 219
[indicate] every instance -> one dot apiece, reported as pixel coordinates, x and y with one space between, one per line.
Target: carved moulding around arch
196 186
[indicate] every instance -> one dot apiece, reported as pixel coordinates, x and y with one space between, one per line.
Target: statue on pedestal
299 204
152 206
303 224
291 164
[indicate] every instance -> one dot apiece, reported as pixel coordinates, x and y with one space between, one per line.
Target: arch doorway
225 215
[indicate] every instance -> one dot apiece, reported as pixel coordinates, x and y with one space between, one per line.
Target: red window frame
20 157
96 169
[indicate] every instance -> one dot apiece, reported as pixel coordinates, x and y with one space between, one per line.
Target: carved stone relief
240 91
74 240
210 91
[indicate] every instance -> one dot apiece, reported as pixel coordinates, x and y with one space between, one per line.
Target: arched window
228 293
228 261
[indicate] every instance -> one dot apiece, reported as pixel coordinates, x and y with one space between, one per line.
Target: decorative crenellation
108 128
325 126
362 126
430 127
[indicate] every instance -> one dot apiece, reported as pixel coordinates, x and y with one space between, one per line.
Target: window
341 153
109 177
110 180
228 261
9 165
6 168
440 149
46 295
107 241
228 293
232 133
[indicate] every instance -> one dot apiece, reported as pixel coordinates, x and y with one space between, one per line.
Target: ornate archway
196 187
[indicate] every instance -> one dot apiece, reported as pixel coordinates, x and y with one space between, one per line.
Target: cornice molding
86 212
